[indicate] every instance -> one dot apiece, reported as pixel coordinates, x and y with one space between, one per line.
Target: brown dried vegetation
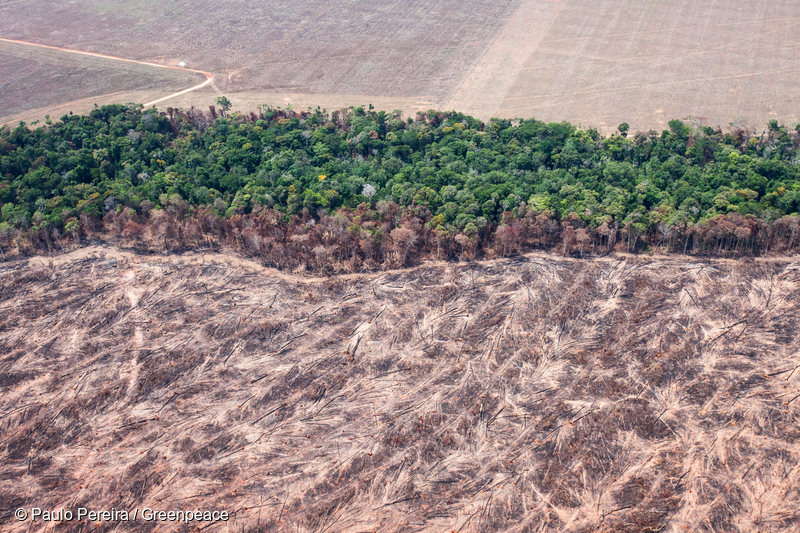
540 394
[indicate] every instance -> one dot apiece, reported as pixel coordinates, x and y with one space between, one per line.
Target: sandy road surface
208 81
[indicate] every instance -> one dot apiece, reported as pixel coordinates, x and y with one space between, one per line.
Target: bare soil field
536 394
647 62
33 80
250 101
388 48
597 63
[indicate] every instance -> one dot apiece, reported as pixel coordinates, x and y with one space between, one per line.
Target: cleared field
35 82
596 62
386 48
250 101
647 62
540 394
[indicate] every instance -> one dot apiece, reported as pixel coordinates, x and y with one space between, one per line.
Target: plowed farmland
539 394
597 63
37 81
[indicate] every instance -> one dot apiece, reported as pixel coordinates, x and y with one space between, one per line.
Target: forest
362 188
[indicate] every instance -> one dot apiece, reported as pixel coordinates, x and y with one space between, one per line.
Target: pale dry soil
535 394
35 82
602 62
595 63
360 49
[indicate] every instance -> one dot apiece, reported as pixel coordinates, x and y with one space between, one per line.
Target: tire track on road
208 81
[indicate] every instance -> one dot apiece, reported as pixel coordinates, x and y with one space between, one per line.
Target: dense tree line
327 190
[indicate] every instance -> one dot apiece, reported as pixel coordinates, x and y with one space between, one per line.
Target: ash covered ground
536 394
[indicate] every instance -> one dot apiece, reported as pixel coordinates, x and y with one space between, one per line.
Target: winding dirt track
208 81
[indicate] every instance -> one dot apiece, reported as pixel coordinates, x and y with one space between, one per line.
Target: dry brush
536 394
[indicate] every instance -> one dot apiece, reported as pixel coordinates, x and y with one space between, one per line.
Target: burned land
535 394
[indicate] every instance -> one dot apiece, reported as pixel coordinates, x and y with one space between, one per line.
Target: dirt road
208 81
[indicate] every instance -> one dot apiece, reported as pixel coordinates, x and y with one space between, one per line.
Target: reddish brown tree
403 238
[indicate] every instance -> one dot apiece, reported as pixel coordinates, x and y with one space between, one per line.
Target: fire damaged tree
352 177
506 236
583 238
403 239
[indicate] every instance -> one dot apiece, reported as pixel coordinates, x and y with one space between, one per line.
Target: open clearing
394 48
597 62
539 394
648 62
36 81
